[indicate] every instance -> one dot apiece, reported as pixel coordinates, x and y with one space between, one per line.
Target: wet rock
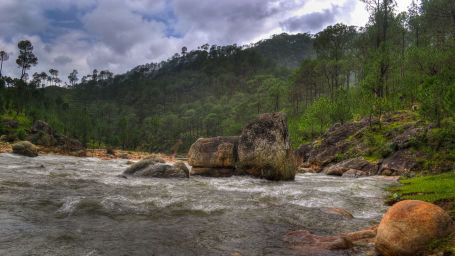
158 170
400 162
352 173
212 172
337 211
25 148
121 176
409 226
358 163
155 158
182 166
153 168
218 152
265 150
306 243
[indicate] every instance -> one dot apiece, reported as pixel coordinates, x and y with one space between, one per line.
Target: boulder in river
25 148
152 168
303 241
409 226
213 152
265 149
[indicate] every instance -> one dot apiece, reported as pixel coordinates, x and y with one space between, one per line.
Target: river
58 205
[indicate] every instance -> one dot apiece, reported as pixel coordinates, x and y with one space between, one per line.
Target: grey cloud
316 21
232 21
62 60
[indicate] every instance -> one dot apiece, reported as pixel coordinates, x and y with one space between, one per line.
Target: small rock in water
121 176
337 211
307 243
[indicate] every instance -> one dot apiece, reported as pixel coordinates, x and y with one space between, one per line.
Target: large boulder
67 144
358 163
218 152
25 148
265 150
213 157
303 241
151 168
409 226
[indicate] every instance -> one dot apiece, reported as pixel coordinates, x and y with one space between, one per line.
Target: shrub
21 134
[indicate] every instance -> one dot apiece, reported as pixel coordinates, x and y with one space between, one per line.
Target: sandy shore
6 147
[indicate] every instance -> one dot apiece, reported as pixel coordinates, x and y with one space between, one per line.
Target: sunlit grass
429 188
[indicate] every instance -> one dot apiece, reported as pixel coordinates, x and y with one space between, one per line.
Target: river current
58 205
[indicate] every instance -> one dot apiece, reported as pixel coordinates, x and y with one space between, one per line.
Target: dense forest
343 73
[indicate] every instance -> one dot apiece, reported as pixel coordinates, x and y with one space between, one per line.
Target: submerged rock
265 150
25 148
306 243
409 226
153 168
337 211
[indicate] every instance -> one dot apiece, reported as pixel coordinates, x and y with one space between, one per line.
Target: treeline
398 60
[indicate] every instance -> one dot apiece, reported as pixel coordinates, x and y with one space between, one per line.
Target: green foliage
21 134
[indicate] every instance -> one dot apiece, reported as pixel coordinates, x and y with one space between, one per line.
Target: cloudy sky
120 34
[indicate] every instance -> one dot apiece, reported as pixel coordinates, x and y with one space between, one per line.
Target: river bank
101 153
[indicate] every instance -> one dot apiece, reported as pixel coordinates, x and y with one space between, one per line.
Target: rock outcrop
153 167
43 134
213 157
25 148
265 150
365 148
356 164
409 226
303 241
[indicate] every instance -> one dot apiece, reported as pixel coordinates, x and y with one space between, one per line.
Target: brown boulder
358 163
218 152
307 243
212 172
25 148
409 226
265 149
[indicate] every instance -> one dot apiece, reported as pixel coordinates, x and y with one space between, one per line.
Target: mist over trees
343 73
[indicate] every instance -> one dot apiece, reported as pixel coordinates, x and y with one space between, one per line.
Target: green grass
429 188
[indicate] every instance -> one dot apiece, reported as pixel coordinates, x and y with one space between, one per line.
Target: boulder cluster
341 149
42 134
262 150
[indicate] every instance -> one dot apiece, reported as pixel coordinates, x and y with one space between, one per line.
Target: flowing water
55 205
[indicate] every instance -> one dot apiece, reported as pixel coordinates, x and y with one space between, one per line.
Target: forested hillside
397 61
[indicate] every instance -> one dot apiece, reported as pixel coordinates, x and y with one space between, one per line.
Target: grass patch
429 188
